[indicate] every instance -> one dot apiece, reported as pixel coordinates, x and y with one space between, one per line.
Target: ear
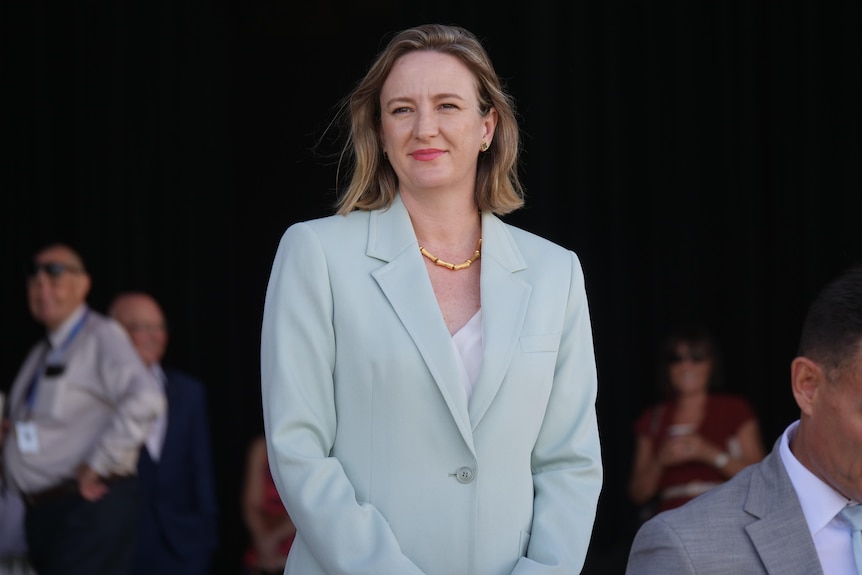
806 378
489 122
82 286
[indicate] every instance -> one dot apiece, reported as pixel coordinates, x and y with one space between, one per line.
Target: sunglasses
696 357
53 269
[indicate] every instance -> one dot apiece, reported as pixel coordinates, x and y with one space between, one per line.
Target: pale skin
143 319
432 131
829 437
266 534
690 381
52 301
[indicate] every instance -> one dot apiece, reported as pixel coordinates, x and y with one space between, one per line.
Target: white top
820 505
468 344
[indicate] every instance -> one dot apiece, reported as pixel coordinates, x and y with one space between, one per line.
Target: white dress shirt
95 406
156 438
820 505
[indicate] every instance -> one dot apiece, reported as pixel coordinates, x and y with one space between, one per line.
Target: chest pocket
548 342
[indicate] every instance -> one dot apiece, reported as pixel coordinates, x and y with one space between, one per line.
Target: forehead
57 254
691 345
139 307
428 73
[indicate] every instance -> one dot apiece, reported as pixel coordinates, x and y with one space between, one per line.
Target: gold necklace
476 255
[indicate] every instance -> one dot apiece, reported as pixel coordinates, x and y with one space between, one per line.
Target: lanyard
34 383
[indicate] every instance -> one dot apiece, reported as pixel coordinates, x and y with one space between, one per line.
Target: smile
427 155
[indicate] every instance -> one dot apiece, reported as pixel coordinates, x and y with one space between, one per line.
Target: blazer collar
391 233
772 499
404 281
504 306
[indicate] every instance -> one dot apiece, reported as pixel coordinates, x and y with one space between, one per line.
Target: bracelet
721 460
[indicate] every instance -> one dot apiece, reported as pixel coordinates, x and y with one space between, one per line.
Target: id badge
28 436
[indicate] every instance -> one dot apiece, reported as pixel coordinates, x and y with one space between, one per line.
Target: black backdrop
702 158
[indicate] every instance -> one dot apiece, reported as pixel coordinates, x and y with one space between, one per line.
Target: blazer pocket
540 343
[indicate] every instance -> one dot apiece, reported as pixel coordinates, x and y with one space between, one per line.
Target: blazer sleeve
566 460
129 388
658 550
297 363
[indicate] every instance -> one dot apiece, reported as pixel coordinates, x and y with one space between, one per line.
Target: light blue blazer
383 464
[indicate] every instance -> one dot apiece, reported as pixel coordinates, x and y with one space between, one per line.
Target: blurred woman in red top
696 438
269 525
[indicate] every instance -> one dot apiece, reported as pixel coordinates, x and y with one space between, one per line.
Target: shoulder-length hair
701 340
373 182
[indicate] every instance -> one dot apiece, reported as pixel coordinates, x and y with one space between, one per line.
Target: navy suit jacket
178 531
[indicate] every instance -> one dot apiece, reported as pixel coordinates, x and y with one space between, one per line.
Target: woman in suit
428 374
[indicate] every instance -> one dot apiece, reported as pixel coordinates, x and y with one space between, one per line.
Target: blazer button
464 475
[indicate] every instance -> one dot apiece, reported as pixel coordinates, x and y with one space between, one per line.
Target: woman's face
431 126
689 369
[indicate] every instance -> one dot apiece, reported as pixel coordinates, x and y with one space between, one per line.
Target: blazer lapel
404 281
504 307
173 421
771 497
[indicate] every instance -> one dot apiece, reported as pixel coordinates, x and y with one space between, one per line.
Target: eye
401 110
449 106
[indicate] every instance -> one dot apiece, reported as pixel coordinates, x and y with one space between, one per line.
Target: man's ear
82 286
806 378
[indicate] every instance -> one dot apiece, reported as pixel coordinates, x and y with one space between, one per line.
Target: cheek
842 436
852 432
391 131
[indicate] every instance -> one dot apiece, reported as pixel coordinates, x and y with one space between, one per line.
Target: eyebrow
436 97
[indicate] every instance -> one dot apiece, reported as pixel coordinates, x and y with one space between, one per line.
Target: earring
484 146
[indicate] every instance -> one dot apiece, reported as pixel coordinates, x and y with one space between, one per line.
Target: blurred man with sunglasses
80 409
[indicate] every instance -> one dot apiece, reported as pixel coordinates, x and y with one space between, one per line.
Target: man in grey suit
782 515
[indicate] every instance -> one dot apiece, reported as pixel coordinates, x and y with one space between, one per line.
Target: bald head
142 317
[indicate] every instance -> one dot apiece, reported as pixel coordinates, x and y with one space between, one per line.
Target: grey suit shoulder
752 524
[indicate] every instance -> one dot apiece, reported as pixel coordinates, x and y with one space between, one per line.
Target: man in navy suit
178 533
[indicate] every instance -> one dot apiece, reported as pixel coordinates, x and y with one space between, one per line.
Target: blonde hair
373 183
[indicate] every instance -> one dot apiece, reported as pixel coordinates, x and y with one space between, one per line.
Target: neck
444 224
691 400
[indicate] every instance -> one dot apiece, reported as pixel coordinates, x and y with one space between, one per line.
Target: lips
427 155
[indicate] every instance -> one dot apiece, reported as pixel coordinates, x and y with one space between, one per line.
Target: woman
696 438
269 525
428 373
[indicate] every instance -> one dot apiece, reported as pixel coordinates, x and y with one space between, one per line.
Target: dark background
702 158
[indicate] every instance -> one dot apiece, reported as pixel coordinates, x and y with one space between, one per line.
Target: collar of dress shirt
159 374
58 336
820 503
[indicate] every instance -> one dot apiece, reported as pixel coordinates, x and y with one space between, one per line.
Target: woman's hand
687 449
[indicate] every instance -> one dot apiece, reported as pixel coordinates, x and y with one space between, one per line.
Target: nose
426 124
